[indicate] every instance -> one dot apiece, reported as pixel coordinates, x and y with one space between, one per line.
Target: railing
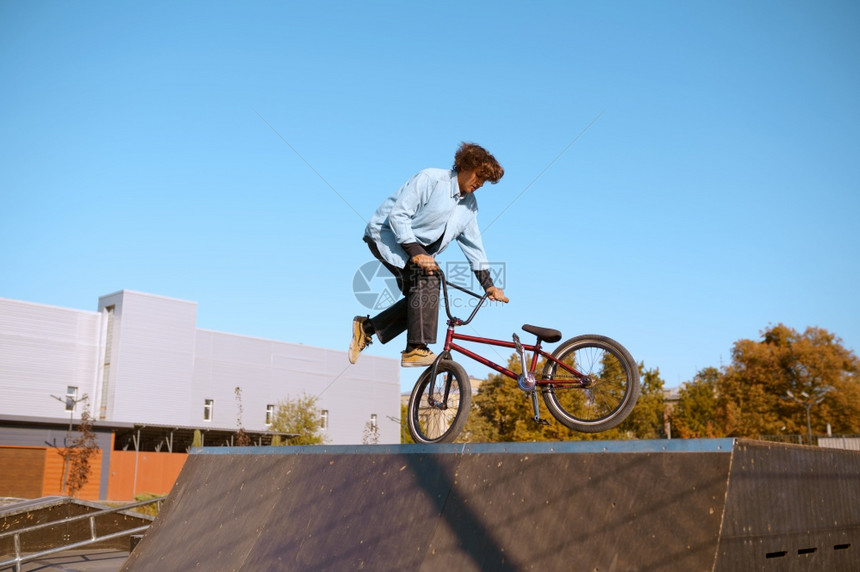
94 537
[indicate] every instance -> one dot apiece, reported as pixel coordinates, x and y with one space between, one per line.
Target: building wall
268 372
43 350
151 358
23 471
848 443
52 484
134 473
30 472
50 440
141 359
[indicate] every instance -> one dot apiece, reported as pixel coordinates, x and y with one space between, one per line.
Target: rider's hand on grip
425 262
497 294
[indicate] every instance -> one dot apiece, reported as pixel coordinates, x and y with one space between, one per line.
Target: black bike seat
546 334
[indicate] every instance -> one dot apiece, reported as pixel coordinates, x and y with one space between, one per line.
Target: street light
71 404
808 401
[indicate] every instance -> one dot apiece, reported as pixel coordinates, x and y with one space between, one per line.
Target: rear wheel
439 406
611 390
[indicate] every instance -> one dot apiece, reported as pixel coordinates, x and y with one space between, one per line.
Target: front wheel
439 405
610 390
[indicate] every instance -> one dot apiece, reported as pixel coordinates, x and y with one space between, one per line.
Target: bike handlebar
445 284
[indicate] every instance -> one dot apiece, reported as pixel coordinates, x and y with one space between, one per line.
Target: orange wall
156 473
22 471
52 484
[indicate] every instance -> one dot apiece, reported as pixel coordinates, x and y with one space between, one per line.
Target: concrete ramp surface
596 506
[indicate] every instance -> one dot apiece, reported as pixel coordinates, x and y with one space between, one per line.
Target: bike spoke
435 421
438 417
610 380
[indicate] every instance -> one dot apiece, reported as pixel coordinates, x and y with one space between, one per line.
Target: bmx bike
589 383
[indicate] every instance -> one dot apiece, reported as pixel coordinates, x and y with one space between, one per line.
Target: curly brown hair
474 157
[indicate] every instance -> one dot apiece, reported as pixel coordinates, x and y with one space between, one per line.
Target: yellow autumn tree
761 390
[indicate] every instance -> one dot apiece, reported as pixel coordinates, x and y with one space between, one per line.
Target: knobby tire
611 398
439 422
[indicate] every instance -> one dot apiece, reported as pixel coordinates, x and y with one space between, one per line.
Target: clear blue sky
231 153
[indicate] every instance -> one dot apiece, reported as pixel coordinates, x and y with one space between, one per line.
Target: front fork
445 354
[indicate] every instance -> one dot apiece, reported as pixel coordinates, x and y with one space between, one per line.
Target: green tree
497 409
301 416
242 437
752 395
695 413
501 412
647 419
405 437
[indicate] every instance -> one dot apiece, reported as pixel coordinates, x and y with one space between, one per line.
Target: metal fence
94 537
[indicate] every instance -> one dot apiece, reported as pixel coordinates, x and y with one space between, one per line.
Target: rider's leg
422 297
417 313
391 322
422 317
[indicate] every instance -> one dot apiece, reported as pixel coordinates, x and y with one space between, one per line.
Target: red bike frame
534 348
454 384
578 380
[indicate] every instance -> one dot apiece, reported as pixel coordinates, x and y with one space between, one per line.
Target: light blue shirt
428 206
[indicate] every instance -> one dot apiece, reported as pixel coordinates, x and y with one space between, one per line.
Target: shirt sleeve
414 195
473 247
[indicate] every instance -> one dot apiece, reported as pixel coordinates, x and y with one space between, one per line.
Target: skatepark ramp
714 504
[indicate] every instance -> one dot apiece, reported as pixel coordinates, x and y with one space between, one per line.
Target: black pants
417 312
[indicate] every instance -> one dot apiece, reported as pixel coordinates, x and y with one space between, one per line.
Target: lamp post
808 401
71 404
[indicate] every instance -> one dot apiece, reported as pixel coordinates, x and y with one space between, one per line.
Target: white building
142 361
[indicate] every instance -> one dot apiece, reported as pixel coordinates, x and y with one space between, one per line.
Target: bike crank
536 409
526 381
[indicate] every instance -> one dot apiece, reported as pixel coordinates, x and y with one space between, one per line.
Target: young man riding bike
431 210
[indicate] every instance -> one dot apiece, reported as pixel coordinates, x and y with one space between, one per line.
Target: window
270 414
324 419
208 406
373 421
71 397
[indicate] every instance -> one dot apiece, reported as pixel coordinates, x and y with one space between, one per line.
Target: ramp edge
550 447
